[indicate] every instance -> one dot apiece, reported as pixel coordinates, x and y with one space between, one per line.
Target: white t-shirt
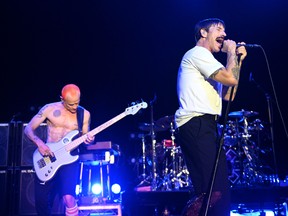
197 93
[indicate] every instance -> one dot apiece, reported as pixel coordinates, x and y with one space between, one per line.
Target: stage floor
244 201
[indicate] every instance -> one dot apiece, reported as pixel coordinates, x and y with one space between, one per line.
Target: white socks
72 211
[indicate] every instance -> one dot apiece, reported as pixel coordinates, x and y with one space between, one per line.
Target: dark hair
206 24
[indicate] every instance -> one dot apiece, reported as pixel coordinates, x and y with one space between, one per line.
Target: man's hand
45 150
241 51
89 139
229 46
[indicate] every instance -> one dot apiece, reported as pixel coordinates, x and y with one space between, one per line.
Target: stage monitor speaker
27 197
4 141
4 198
28 147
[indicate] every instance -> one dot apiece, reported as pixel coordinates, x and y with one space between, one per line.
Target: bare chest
59 125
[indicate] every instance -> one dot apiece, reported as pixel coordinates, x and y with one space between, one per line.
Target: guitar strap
80 117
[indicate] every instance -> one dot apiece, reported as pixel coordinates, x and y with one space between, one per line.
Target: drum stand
143 157
248 162
153 181
153 141
146 179
178 176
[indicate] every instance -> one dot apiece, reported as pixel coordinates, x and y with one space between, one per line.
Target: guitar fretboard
72 145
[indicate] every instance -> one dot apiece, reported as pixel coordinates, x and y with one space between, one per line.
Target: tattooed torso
59 121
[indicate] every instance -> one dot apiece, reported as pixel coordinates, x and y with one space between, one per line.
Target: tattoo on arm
40 113
236 72
236 69
212 76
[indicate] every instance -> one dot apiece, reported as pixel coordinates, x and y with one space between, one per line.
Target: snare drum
168 143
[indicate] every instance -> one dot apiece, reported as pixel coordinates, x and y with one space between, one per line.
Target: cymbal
147 127
243 113
165 122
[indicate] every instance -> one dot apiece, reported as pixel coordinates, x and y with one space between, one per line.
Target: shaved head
70 91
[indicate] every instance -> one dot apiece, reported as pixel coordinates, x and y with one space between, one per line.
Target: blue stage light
77 189
116 188
96 189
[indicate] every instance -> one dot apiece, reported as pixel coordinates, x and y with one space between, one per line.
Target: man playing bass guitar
61 118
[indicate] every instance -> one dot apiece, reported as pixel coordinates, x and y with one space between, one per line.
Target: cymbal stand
174 179
153 141
144 176
249 166
143 157
170 176
178 176
245 146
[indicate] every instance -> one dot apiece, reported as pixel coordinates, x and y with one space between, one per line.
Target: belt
215 117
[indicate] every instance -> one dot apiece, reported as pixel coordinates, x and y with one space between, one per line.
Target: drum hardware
143 158
175 173
149 176
170 178
146 162
242 113
152 128
148 127
242 153
166 122
169 171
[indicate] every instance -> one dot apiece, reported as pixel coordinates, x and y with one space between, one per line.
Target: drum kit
244 149
170 171
163 166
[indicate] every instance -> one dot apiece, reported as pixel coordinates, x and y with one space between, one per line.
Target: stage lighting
96 189
116 188
77 189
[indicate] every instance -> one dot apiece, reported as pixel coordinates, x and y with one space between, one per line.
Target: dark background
120 52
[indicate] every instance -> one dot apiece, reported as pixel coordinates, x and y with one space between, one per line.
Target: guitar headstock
135 108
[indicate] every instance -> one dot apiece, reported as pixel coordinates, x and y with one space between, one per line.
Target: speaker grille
27 196
4 140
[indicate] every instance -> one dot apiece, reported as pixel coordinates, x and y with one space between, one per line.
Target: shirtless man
61 118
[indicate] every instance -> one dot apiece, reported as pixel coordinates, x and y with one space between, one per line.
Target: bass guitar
47 166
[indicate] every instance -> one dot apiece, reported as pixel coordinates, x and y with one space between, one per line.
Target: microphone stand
207 199
270 118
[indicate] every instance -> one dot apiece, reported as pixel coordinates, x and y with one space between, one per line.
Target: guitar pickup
41 163
46 160
52 158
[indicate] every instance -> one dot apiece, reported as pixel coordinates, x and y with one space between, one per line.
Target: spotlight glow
96 189
116 188
77 189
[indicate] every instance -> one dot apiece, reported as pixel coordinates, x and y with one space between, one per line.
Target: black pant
198 139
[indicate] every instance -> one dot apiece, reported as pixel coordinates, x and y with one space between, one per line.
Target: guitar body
46 166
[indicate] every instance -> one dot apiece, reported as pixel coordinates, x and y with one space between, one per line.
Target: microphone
248 45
